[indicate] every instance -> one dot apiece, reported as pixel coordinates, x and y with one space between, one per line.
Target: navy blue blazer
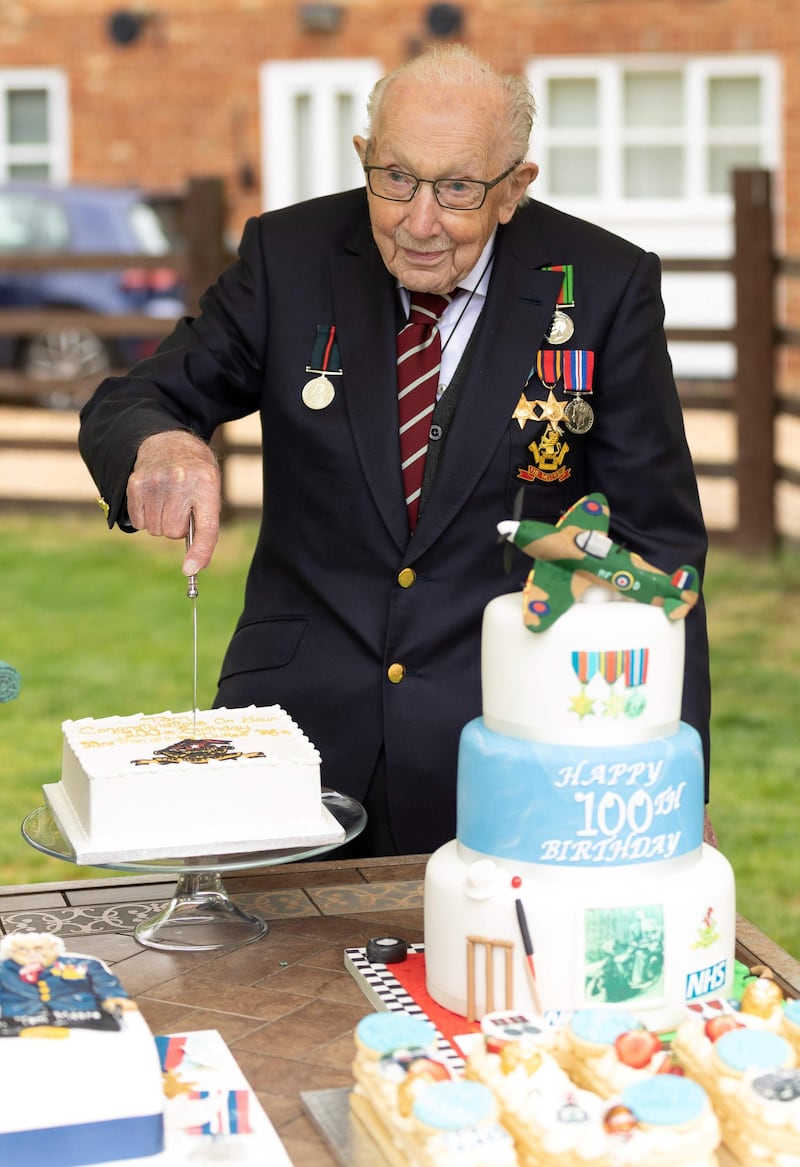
328 605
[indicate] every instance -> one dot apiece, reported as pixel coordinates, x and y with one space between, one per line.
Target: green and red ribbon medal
562 326
318 393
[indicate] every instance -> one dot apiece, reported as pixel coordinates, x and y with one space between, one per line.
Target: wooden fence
751 398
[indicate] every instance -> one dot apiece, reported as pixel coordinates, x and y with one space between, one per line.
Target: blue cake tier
584 806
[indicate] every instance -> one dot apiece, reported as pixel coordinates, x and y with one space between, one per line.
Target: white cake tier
83 1098
647 940
610 670
174 784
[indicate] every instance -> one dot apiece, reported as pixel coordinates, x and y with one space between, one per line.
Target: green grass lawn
98 623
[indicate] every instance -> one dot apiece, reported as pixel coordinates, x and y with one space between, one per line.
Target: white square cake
176 784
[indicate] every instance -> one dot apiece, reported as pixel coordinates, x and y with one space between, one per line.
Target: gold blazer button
396 672
406 577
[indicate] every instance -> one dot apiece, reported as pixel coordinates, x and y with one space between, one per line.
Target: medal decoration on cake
198 751
10 682
45 992
627 664
577 553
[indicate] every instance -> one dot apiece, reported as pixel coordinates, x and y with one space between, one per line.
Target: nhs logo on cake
703 981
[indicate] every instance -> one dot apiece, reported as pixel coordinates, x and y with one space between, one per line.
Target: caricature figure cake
81 1078
579 876
204 783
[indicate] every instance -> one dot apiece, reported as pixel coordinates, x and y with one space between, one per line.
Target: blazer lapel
518 310
365 304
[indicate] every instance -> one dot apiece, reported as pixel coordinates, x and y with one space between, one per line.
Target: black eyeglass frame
434 182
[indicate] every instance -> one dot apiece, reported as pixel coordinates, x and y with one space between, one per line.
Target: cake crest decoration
577 553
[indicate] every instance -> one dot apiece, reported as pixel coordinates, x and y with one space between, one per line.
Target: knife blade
191 592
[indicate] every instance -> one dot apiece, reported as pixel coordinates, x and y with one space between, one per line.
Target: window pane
303 132
734 101
573 170
653 172
32 171
27 117
723 159
653 99
347 175
573 102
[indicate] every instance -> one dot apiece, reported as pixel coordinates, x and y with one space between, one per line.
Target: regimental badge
548 456
198 751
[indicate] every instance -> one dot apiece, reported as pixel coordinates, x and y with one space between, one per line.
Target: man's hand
175 475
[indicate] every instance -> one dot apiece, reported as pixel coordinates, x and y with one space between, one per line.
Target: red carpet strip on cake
401 986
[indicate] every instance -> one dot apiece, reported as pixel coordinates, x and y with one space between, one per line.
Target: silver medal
561 327
318 393
578 416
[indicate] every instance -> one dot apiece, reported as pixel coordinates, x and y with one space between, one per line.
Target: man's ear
519 181
361 145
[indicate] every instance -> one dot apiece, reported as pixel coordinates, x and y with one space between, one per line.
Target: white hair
455 64
10 942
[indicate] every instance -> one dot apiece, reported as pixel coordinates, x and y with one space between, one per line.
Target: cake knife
191 592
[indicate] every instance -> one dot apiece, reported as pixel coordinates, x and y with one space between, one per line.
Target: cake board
91 852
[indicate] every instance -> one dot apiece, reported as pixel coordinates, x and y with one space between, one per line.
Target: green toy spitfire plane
577 553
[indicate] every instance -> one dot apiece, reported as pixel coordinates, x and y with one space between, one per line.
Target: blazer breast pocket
263 644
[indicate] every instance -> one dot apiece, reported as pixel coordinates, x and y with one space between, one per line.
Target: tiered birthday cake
81 1078
204 783
579 876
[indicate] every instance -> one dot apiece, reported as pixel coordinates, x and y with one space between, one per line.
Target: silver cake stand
201 915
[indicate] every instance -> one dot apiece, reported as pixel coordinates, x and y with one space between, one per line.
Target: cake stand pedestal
201 915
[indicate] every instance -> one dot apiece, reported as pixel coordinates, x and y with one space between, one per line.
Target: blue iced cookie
753 1049
385 1033
665 1100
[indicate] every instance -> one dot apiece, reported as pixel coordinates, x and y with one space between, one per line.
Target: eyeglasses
453 194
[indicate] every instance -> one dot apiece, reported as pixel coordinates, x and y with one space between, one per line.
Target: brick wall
182 99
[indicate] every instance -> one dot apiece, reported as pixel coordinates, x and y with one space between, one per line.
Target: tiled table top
285 1004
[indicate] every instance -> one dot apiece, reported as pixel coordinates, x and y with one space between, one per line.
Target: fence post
754 274
203 223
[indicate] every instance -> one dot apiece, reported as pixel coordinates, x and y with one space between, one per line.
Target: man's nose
424 213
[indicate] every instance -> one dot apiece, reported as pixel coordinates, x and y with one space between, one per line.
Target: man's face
33 949
431 131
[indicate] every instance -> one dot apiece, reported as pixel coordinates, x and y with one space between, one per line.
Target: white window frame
611 136
319 160
55 153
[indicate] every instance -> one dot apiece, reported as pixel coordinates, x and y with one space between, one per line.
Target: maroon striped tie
419 356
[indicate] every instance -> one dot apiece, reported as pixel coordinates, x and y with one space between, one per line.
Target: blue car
82 220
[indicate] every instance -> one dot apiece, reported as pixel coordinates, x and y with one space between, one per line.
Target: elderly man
548 377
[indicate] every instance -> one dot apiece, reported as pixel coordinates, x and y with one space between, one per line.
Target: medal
561 328
578 415
318 393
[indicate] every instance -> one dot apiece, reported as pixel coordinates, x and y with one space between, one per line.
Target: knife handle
191 581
